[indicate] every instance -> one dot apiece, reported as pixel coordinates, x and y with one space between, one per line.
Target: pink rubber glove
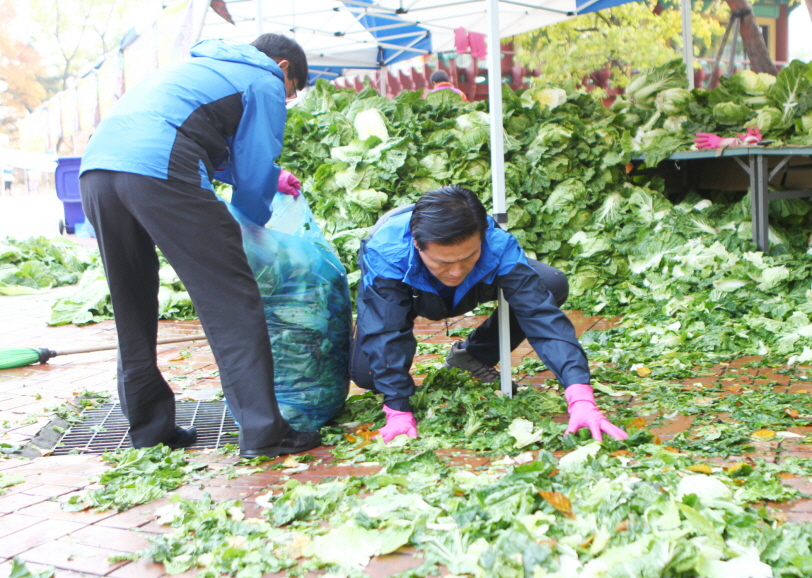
706 140
584 413
397 423
288 184
752 136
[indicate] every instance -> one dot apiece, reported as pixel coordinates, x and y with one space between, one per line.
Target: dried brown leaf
638 423
558 501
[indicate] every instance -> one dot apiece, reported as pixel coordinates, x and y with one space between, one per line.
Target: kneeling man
440 258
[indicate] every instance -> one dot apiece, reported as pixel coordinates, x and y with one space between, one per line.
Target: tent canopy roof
354 34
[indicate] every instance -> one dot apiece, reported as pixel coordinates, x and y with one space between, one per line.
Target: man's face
451 263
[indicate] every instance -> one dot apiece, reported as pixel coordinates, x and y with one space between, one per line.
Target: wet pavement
35 528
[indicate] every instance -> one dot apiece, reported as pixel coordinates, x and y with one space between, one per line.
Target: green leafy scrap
91 302
626 518
10 479
138 476
37 264
20 570
217 538
352 546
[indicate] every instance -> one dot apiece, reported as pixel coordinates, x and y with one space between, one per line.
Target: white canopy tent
373 33
335 36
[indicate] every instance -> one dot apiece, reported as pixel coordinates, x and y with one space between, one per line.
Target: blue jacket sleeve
548 330
256 144
224 175
385 329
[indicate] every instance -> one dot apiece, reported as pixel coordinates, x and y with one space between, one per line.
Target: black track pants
202 241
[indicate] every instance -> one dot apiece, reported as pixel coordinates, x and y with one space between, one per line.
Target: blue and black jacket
396 287
220 114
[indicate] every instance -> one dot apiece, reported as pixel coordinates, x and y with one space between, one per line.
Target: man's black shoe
182 438
293 443
487 374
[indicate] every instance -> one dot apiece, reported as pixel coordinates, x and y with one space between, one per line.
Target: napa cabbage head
476 169
804 124
730 113
546 97
552 134
471 120
628 120
369 199
673 124
767 119
755 83
644 86
370 123
645 140
673 101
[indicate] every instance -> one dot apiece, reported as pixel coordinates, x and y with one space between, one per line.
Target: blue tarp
587 6
398 40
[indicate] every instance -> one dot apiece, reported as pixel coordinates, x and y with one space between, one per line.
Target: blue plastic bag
307 309
84 229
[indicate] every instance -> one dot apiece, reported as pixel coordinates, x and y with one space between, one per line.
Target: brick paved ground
32 525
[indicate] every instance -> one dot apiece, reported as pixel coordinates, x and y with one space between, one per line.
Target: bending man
146 181
440 258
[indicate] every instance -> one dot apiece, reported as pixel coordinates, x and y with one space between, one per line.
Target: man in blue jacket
440 258
146 180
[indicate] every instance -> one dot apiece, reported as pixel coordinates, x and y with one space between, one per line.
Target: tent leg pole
687 41
732 62
759 179
498 176
505 369
260 19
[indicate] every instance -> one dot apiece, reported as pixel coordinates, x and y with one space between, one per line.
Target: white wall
800 31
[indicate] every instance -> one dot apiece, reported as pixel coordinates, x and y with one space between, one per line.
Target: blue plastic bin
67 189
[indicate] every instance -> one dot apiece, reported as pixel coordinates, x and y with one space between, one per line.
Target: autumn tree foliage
623 39
20 67
77 33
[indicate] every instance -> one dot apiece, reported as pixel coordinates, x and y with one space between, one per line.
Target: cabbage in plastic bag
307 309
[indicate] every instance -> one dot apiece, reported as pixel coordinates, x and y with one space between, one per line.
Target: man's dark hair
439 76
281 47
447 216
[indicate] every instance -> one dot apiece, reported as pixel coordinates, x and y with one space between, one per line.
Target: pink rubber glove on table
752 136
706 140
584 413
288 184
398 423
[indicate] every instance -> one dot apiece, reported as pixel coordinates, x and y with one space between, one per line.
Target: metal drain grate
105 428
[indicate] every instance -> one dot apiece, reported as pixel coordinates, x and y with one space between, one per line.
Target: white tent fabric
442 17
353 34
334 34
